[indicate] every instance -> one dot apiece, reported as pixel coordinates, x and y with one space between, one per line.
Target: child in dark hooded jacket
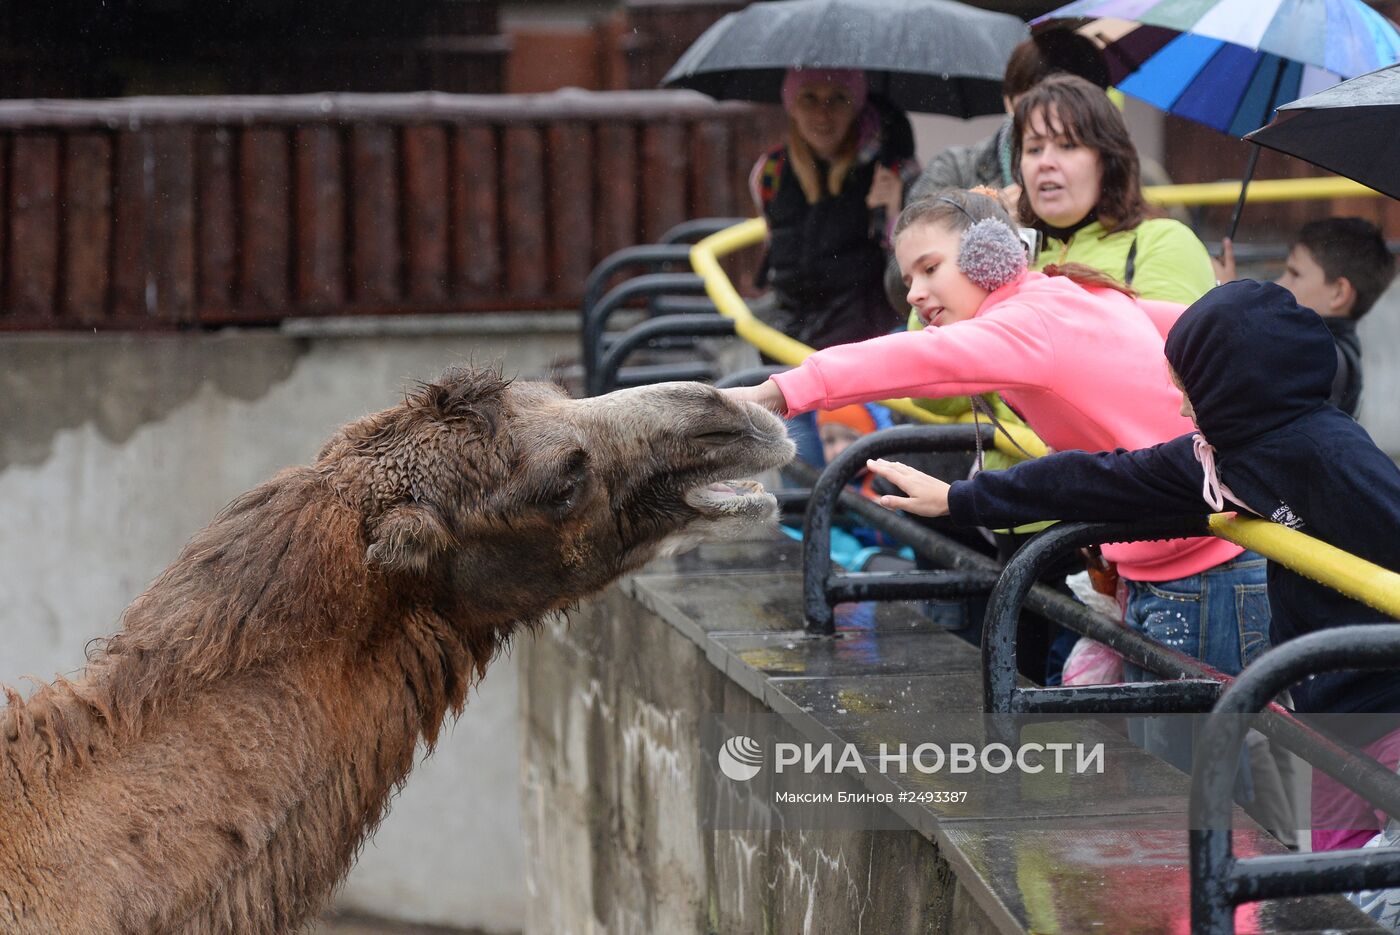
1256 369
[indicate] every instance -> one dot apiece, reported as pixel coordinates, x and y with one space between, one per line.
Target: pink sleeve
1163 314
1010 348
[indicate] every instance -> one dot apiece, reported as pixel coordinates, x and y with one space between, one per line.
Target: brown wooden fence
176 212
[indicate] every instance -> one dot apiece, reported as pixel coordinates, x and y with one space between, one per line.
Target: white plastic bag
1091 662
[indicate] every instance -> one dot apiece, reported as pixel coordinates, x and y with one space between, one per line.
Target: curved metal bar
596 319
648 256
697 229
697 325
750 377
670 304
816 532
1001 693
1219 881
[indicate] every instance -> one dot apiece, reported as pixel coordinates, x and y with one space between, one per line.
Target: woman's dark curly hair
1069 105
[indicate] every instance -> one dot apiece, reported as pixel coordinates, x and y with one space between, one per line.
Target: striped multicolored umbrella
1229 63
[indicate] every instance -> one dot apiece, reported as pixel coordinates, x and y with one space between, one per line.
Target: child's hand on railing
927 496
766 394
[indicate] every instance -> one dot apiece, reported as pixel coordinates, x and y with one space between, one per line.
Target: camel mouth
733 499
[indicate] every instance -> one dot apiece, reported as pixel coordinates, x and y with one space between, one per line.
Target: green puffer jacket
1169 263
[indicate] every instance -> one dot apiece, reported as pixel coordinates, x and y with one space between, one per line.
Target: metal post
1021 573
596 318
1219 880
816 533
697 325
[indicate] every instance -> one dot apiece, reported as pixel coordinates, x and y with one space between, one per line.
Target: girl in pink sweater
1080 358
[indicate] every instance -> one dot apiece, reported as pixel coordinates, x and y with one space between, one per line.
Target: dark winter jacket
1346 385
826 261
1258 370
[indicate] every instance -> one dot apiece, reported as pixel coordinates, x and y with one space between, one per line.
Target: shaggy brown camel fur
221 758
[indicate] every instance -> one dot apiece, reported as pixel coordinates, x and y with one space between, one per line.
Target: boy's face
836 438
1303 277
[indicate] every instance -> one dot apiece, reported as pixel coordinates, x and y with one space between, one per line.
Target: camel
221 758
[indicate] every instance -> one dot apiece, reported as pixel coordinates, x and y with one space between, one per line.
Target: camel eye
564 488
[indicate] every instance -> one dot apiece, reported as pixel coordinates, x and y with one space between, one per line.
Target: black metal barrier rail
690 231
1191 685
673 250
821 587
644 334
1192 681
595 319
1194 687
1219 880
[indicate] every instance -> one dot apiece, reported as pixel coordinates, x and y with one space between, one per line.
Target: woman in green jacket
1081 188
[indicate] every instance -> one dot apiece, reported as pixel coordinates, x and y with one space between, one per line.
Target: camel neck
290 766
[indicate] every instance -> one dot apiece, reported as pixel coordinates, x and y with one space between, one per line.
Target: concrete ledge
617 781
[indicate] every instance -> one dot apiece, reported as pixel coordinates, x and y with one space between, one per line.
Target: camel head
527 500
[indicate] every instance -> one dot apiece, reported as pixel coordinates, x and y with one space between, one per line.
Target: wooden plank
570 207
216 247
425 212
171 219
663 175
476 242
374 211
710 170
522 173
87 226
130 231
6 313
319 215
615 222
34 186
265 174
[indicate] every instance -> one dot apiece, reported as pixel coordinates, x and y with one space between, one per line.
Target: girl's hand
928 496
765 394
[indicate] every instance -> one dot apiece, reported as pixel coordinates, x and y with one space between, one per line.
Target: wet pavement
1082 852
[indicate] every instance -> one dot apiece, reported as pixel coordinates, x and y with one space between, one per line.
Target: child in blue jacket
1255 370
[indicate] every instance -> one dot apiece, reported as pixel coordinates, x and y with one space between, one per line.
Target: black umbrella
1352 129
931 56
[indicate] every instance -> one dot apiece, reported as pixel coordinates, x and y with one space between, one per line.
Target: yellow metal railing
1355 577
704 257
1227 193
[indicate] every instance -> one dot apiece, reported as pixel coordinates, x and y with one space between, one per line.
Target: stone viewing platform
632 827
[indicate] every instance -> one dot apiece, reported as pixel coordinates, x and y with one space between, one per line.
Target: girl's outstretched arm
927 496
766 394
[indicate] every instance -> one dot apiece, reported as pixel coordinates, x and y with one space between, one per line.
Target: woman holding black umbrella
828 194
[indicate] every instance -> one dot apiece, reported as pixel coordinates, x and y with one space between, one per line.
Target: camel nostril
719 437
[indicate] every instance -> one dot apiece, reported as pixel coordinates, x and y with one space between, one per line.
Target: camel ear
408 538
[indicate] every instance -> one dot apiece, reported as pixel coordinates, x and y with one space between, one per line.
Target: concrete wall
616 789
115 449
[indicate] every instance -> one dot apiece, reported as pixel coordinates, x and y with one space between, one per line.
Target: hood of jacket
1251 360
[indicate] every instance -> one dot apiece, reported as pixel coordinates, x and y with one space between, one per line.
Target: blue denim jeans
1220 616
